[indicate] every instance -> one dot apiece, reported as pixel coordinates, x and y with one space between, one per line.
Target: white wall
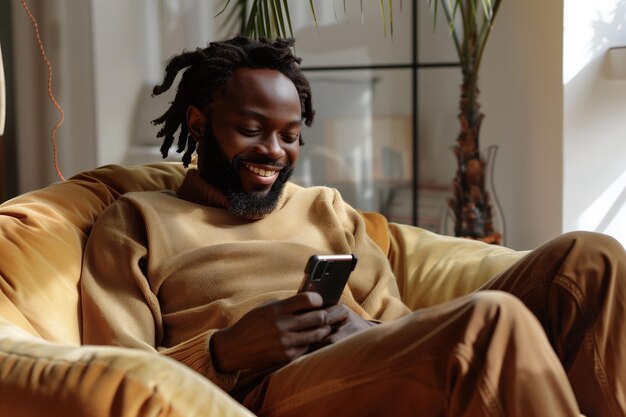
120 68
558 118
522 99
131 42
594 185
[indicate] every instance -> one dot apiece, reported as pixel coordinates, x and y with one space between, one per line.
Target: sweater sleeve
118 304
372 284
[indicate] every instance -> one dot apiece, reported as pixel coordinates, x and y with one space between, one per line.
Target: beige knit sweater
163 272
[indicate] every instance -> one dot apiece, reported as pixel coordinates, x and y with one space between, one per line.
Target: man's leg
481 355
576 286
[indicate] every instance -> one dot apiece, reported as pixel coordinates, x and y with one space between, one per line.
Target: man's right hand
274 333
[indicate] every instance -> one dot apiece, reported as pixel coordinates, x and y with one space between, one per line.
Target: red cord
56 104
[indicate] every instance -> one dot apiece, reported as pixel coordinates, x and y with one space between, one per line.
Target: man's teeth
260 171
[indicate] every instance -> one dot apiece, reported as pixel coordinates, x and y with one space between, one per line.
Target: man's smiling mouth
260 171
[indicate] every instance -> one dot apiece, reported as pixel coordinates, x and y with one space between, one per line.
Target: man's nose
271 146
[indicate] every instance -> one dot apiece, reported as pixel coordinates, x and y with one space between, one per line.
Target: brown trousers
555 347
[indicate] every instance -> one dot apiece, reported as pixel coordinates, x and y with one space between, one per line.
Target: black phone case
328 275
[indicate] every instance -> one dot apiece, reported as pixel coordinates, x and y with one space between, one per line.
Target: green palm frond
469 21
259 18
271 18
235 20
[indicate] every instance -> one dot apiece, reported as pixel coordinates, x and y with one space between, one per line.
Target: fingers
300 331
308 337
302 324
337 314
308 320
295 319
303 301
333 316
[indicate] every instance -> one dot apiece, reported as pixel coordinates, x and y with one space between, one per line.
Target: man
208 277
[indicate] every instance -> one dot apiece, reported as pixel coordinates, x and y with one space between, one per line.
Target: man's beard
224 175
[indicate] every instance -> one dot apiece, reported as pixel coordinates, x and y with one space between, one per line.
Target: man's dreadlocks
208 69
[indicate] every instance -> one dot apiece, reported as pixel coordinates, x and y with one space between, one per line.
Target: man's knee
501 321
494 306
587 243
582 256
589 257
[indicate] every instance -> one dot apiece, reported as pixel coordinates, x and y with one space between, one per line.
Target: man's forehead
248 85
266 79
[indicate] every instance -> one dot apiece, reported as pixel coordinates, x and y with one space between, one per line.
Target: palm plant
271 18
471 203
470 23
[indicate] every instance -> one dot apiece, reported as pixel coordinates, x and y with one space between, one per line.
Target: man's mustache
238 160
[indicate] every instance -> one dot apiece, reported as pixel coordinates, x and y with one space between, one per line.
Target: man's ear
196 122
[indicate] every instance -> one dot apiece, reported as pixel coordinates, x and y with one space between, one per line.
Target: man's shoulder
319 189
293 189
164 195
135 205
314 195
135 200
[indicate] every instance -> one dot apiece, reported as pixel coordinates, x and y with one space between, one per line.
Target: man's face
250 147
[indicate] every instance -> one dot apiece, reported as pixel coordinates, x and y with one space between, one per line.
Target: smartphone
328 275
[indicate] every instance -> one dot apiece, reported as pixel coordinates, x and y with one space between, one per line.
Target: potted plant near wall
470 23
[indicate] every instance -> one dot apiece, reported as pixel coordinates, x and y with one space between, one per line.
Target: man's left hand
342 329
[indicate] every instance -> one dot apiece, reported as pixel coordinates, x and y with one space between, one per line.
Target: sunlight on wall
582 21
605 212
594 123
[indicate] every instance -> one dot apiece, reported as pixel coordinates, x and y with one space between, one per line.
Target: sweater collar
196 190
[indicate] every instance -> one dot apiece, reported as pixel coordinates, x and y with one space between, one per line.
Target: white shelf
616 60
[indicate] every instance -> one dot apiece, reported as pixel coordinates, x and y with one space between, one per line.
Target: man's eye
249 132
290 138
